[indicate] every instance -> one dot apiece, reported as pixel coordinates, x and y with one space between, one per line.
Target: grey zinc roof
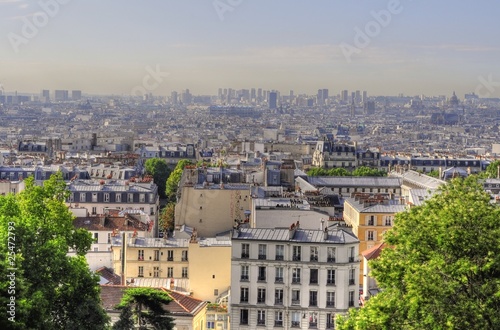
352 181
416 178
377 208
337 236
158 242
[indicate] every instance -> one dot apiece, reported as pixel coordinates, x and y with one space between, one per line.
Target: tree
144 307
317 171
434 174
338 171
443 268
491 170
167 218
367 171
174 179
158 168
51 289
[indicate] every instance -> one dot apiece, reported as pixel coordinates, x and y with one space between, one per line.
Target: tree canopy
442 270
51 290
174 179
339 171
160 171
491 170
144 307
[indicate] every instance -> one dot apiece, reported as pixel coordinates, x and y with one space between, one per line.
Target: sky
385 47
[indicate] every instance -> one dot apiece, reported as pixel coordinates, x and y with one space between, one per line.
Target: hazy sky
104 46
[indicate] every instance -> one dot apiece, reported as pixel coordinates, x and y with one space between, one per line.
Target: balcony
351 281
245 255
261 278
278 301
244 300
314 258
351 303
184 259
331 259
313 281
296 280
140 258
262 257
296 258
313 303
261 300
244 278
170 259
261 322
278 323
279 257
330 304
295 301
330 282
295 324
351 259
313 325
278 280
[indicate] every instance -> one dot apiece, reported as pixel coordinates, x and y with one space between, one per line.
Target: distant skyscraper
219 95
186 97
253 96
45 95
365 96
344 96
369 107
319 97
76 95
358 96
61 95
273 100
173 98
353 97
325 94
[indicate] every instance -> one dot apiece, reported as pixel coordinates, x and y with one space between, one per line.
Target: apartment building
292 277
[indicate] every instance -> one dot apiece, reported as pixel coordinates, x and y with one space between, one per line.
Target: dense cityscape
249 165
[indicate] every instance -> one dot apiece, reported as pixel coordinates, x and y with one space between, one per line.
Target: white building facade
292 278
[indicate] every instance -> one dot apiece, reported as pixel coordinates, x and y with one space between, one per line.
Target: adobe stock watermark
151 81
224 6
363 37
32 25
486 87
11 275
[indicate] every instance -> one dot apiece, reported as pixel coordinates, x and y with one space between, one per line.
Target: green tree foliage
175 178
338 171
52 290
158 168
367 171
434 174
143 307
317 171
443 270
492 170
167 217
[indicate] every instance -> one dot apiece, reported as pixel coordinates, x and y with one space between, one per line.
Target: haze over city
103 47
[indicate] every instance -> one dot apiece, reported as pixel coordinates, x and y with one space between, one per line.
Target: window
156 271
369 235
142 198
296 253
245 251
151 198
94 197
313 320
296 319
184 255
170 272
371 220
331 253
244 273
295 275
388 220
280 252
351 254
82 197
130 198
170 255
96 237
351 298
261 317
216 292
278 296
156 255
151 211
278 319
184 272
210 325
109 238
330 320
262 251
352 274
295 297
140 272
330 299
243 316
106 197
261 295
313 276
244 295
314 253
140 255
313 298
279 274
330 276
118 198
262 273
94 210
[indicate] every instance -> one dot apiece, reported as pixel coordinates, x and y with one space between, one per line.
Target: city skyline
385 47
